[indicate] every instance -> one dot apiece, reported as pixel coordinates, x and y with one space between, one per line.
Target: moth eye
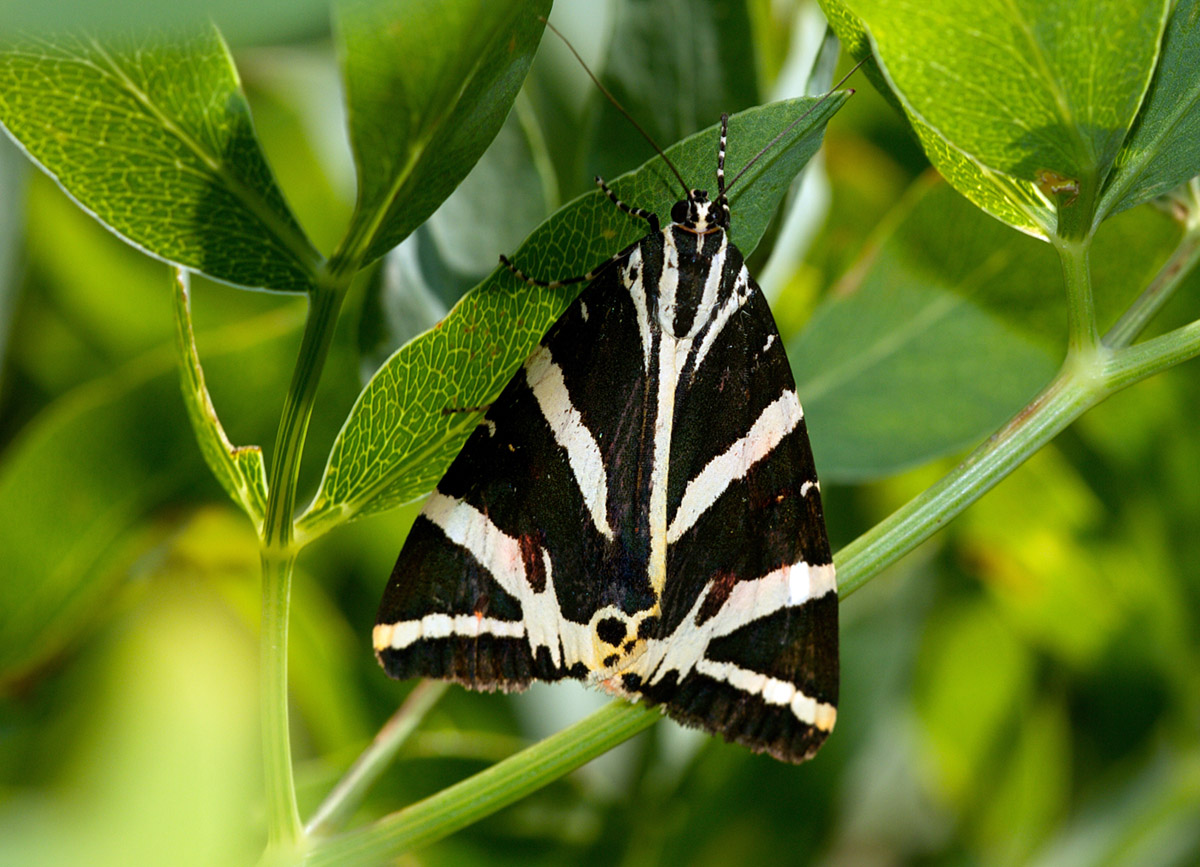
679 212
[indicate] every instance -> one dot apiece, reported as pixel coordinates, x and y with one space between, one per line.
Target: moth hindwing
638 509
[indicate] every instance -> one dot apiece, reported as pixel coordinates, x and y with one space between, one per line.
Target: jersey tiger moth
639 508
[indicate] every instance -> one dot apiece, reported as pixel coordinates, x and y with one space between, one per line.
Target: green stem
1091 373
487 791
1160 290
1081 306
350 790
1060 403
278 559
283 817
324 303
1137 362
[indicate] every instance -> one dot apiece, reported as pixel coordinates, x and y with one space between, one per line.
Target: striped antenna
793 124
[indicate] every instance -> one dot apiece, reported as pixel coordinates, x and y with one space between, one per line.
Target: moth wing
502 571
747 644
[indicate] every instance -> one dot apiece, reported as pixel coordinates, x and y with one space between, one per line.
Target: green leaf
948 328
945 328
84 474
239 469
675 67
494 208
1163 150
852 34
1000 94
428 84
153 137
399 440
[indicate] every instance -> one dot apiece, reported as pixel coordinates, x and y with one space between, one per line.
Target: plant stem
1090 374
1060 403
1135 363
487 791
279 558
1160 290
1081 306
283 817
324 303
348 793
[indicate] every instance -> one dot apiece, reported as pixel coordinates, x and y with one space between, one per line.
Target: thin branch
350 790
489 790
1161 289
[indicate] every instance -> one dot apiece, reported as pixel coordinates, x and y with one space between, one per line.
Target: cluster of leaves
1023 691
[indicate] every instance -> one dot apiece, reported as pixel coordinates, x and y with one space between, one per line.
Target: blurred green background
1023 689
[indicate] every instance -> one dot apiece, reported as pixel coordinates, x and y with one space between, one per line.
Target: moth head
697 214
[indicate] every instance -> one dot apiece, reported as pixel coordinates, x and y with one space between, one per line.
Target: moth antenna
721 157
687 191
721 198
792 125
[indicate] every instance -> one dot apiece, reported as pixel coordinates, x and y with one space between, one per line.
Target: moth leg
640 213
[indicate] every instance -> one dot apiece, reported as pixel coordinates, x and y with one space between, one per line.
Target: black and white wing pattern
639 509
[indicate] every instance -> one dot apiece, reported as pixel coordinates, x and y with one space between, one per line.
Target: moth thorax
691 289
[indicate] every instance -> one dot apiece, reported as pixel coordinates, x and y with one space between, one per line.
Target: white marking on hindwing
545 379
400 635
684 650
583 311
778 692
775 422
500 554
542 622
808 486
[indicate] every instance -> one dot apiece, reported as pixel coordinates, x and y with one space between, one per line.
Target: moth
639 508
